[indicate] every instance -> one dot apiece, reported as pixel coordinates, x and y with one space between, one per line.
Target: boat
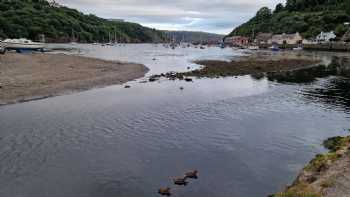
299 48
2 50
22 44
253 47
222 46
202 47
274 48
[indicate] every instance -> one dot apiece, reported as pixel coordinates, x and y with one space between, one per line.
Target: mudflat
25 77
257 63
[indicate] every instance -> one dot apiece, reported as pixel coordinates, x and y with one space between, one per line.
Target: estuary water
247 136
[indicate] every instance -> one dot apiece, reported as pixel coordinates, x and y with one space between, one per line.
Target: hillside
192 36
30 18
308 17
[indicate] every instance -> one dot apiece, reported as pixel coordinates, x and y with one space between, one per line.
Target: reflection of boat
22 44
222 45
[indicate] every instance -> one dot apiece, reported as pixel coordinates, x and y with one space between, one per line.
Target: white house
325 36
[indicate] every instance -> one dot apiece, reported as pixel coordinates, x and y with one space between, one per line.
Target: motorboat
22 44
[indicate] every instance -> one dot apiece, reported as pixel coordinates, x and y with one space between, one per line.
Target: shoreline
257 63
327 175
35 76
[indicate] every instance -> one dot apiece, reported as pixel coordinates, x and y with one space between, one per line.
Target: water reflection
335 92
339 66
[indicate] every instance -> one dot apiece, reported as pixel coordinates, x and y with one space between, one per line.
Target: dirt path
26 77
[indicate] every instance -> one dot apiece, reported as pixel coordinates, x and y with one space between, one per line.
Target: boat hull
20 46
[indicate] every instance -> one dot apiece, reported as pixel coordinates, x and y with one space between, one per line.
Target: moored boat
299 48
253 47
22 44
274 48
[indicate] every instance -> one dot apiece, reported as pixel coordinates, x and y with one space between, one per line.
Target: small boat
222 46
202 47
298 48
2 50
274 48
253 47
22 44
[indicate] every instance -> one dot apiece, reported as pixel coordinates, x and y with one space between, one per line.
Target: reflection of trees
339 66
336 92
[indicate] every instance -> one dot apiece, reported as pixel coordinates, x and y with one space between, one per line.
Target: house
263 38
286 39
236 40
309 41
325 36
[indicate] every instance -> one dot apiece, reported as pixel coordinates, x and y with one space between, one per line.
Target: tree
279 8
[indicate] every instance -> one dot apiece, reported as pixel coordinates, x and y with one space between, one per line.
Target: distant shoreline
26 77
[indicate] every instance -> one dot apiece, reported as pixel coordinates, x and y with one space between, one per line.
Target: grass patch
299 190
336 143
328 183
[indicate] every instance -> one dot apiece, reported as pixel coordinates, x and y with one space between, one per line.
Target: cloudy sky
218 16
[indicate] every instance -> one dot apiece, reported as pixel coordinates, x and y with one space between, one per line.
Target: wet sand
25 77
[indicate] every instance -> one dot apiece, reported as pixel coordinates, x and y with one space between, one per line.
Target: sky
216 16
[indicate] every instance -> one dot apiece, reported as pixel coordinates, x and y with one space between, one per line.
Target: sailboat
201 44
73 39
253 46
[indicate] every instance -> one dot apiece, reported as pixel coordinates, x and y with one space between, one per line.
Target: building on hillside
326 36
236 41
286 39
263 38
309 41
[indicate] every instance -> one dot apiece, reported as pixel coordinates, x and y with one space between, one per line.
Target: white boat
274 48
253 47
298 48
22 44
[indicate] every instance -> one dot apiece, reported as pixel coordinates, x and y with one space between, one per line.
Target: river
247 136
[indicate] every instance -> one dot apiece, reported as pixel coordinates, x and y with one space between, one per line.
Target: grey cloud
218 16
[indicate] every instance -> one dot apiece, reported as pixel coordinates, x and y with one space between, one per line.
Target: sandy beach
25 77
